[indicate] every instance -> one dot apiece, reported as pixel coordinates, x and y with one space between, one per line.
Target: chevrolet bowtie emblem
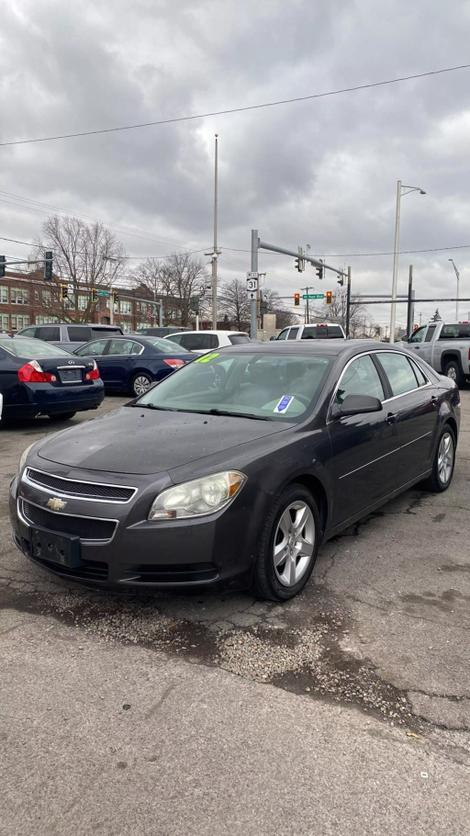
56 504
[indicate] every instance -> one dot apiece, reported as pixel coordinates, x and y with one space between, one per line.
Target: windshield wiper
152 406
237 414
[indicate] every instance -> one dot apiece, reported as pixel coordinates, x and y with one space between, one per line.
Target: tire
284 581
452 369
62 416
444 462
141 382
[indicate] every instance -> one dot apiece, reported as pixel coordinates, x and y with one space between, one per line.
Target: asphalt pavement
345 711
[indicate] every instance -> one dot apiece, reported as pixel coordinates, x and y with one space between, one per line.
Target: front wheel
452 370
288 545
444 462
141 383
62 416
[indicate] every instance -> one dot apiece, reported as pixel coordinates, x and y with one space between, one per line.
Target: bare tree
184 278
336 312
85 256
284 317
234 302
152 276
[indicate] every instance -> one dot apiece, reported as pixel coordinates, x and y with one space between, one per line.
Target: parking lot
346 710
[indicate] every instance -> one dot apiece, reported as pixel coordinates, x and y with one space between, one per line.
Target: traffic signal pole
256 245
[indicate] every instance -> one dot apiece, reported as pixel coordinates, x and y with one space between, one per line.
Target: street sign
252 283
313 296
252 294
102 292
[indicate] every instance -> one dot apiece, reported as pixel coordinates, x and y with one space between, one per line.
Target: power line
363 255
241 109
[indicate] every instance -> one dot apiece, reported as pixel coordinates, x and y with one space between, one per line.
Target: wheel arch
317 489
451 355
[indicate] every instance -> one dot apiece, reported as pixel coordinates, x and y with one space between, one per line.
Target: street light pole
401 190
215 252
457 274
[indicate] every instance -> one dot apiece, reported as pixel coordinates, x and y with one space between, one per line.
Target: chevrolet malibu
236 468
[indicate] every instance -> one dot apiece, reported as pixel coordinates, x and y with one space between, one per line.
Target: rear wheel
288 545
140 383
62 416
444 461
452 369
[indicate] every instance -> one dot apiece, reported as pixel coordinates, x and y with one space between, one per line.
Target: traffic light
2 266
329 297
319 272
48 266
299 264
341 281
296 298
115 297
64 292
94 295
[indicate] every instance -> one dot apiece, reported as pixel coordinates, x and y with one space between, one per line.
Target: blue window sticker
283 404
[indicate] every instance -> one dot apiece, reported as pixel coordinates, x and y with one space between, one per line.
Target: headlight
23 458
199 497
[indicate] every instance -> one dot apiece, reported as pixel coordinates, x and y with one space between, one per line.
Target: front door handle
391 418
435 401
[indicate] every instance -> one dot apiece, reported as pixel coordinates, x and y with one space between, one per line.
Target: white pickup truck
445 346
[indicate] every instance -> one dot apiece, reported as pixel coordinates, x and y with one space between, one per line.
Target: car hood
142 441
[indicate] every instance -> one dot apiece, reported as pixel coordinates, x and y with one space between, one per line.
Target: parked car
133 364
39 379
202 341
314 331
161 331
237 468
68 336
445 346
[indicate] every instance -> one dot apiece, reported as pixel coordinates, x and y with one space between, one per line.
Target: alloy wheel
141 384
445 458
294 543
452 373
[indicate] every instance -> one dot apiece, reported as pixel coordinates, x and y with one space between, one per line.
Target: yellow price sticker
206 358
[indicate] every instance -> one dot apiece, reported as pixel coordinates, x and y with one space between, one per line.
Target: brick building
26 299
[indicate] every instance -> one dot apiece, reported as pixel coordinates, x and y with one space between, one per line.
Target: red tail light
94 374
33 373
174 363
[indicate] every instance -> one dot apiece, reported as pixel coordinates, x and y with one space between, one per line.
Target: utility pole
216 251
409 316
307 309
348 303
254 269
457 274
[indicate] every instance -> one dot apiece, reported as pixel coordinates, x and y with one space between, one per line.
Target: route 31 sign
251 282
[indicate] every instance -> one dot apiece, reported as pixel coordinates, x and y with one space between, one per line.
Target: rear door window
126 347
198 342
239 339
399 371
94 349
79 333
49 333
430 333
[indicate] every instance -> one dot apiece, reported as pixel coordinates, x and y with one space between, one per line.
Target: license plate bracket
55 548
70 375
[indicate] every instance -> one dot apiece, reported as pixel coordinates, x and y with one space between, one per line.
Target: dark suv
68 335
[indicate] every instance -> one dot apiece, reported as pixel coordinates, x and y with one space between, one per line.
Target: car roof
330 347
205 331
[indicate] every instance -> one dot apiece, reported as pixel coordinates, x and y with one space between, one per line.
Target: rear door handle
435 401
391 418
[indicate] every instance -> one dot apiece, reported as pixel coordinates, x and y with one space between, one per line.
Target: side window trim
416 388
349 363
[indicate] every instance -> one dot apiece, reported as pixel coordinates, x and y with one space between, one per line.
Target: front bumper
119 548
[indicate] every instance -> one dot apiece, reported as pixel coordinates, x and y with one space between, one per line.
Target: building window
3 295
4 322
19 296
125 307
46 298
45 320
19 322
82 302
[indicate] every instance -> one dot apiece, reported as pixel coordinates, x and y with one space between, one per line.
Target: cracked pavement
215 709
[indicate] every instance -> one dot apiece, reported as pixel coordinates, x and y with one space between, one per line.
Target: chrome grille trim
28 478
30 523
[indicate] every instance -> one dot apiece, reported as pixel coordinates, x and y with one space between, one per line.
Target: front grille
85 490
184 573
84 527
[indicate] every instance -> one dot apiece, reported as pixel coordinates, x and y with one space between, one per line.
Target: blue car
133 363
37 378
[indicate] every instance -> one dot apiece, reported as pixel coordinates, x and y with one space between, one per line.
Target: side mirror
356 405
272 338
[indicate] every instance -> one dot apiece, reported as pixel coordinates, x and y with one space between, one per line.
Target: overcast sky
320 172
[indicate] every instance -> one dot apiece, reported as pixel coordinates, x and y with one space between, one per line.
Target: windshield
165 346
30 347
256 385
